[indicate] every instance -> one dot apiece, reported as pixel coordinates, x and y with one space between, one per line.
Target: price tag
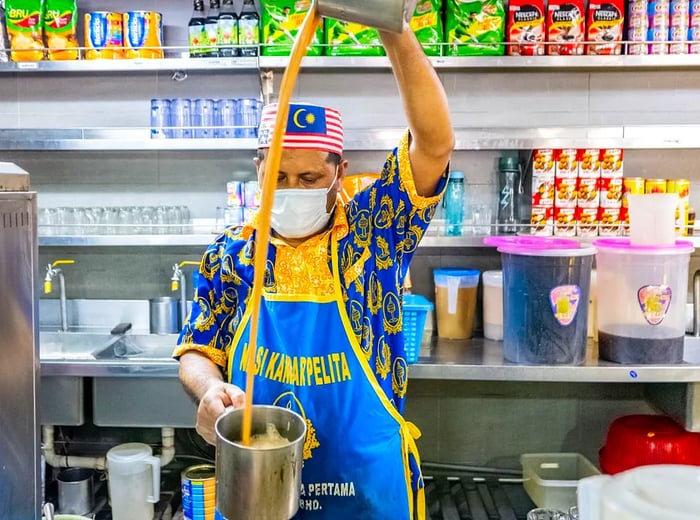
28 65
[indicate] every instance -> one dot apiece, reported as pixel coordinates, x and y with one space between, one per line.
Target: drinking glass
481 219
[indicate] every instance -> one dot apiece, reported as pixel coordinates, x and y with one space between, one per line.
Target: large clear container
641 301
493 304
455 302
546 282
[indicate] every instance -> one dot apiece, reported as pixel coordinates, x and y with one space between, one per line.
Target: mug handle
154 462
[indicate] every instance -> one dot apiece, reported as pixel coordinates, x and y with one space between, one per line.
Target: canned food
610 193
611 162
199 492
565 222
633 185
143 34
655 186
104 35
682 188
588 196
587 222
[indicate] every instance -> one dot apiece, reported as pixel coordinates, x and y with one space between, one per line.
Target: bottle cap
508 163
456 174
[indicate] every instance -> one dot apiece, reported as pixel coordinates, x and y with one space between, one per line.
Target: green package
475 28
427 24
281 21
352 39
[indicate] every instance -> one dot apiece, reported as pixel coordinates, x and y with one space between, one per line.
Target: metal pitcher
255 483
387 15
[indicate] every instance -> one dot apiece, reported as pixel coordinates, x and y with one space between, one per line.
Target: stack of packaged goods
242 201
475 28
576 192
588 192
565 193
543 178
281 21
611 173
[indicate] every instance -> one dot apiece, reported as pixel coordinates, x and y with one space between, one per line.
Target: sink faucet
178 280
51 272
696 304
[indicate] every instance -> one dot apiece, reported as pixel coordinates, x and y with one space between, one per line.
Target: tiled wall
463 421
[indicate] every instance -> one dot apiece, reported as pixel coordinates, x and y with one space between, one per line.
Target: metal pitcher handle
154 462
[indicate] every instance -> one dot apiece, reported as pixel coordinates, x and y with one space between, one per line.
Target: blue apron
360 457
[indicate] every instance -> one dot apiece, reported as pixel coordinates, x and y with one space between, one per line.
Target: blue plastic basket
415 312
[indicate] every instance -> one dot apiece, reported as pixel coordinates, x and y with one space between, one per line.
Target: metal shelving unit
360 64
365 139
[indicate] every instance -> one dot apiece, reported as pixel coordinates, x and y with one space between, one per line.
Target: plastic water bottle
454 204
508 194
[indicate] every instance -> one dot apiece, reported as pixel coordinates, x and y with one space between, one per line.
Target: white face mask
299 213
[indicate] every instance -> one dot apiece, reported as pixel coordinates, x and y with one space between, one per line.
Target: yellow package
60 29
24 29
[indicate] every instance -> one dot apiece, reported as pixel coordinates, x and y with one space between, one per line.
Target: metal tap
52 271
696 304
178 281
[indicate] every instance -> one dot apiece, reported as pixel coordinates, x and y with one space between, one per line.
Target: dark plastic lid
508 162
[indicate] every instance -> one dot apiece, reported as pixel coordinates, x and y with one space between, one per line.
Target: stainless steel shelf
482 360
109 139
135 66
359 64
365 139
473 360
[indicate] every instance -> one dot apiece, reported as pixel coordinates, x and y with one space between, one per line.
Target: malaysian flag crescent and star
311 127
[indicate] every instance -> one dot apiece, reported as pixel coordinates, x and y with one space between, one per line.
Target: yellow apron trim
237 339
313 298
409 435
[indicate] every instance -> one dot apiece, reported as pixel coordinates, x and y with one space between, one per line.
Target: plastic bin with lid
455 302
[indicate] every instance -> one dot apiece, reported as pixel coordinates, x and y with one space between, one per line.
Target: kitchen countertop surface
475 359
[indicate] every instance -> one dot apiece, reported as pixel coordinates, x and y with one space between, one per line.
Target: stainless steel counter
475 359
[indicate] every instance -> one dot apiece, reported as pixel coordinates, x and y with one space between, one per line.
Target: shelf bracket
267 85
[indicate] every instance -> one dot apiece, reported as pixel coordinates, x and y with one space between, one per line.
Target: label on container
654 300
564 300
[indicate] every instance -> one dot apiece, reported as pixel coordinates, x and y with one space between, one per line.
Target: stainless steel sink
79 346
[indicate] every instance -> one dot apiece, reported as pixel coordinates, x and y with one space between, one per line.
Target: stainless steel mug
165 315
259 483
388 15
75 491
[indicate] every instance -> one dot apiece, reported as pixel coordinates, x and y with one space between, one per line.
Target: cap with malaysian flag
310 127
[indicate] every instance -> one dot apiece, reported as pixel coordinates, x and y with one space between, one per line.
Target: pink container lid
521 245
623 245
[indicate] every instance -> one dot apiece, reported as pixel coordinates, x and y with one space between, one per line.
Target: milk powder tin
199 492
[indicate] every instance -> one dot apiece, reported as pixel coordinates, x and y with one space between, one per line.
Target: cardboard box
565 192
611 162
611 192
542 220
565 222
589 163
567 163
587 222
588 192
609 222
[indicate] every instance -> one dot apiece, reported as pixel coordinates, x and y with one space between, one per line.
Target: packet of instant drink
352 39
60 29
475 28
24 29
281 21
427 24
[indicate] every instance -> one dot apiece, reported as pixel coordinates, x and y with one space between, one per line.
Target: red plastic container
640 440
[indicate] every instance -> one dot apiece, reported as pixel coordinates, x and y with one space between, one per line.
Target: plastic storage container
551 479
415 312
641 301
546 283
492 282
640 440
455 302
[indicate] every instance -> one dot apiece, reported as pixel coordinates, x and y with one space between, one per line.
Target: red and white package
565 27
543 190
543 161
588 192
606 22
565 192
609 222
589 162
567 163
587 222
542 220
565 222
611 162
526 28
611 192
